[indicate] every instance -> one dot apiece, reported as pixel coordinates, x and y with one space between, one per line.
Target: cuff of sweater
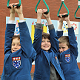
51 27
38 26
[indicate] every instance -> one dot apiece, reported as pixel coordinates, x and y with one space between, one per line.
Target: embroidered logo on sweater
16 62
67 57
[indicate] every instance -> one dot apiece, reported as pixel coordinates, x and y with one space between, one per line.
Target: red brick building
29 12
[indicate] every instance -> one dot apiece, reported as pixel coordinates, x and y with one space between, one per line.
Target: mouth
14 50
46 46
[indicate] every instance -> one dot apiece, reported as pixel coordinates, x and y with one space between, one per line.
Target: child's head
15 43
45 44
63 43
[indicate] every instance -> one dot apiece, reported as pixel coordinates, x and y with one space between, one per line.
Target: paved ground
31 76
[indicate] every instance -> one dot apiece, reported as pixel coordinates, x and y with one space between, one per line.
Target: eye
59 47
13 44
48 41
42 41
19 44
63 47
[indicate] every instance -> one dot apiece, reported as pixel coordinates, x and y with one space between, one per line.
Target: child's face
15 45
63 47
45 44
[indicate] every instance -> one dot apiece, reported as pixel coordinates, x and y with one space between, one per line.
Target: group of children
54 54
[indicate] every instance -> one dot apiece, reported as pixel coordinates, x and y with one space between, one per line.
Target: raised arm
72 38
10 27
60 31
38 32
53 36
25 39
71 35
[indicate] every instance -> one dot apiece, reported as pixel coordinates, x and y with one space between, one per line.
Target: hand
47 16
12 11
63 18
39 13
18 10
67 18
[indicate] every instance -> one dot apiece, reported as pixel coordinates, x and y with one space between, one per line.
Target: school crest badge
16 61
67 57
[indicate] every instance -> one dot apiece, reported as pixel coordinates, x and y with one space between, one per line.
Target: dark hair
46 35
64 39
16 36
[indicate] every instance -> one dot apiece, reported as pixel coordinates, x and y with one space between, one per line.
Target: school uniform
17 65
44 59
68 58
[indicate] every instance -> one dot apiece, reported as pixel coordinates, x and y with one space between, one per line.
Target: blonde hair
64 39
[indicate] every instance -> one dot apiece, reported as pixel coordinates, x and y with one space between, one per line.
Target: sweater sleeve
8 37
72 41
53 39
59 34
38 38
25 40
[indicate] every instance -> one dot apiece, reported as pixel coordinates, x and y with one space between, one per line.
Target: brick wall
29 12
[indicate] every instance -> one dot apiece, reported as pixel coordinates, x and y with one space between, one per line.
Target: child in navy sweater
68 51
19 50
47 66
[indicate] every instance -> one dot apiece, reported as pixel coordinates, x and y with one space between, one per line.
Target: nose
60 50
15 46
45 42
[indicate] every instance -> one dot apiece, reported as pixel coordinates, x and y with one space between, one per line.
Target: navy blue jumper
43 58
68 58
21 70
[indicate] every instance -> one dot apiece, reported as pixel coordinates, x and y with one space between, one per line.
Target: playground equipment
18 5
62 3
77 10
45 4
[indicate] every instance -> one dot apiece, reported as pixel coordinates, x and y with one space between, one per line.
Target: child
19 51
68 51
47 66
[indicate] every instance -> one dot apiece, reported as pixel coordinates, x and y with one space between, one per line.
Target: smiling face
15 44
45 44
